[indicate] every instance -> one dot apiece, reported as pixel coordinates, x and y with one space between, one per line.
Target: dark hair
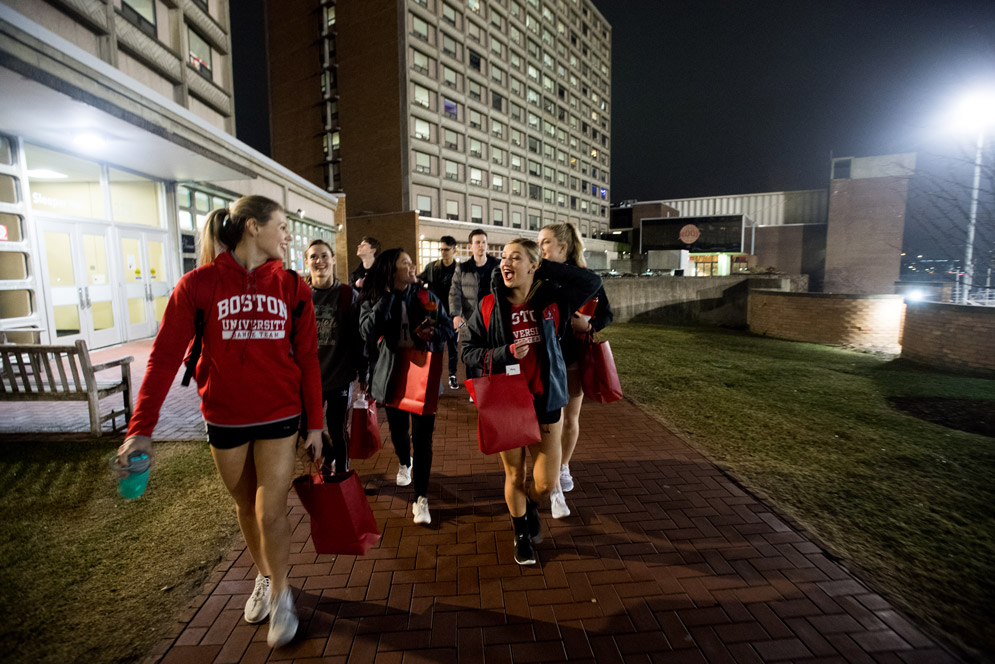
380 277
226 226
315 243
448 240
373 242
476 231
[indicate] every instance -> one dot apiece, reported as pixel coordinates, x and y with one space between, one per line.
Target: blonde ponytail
225 226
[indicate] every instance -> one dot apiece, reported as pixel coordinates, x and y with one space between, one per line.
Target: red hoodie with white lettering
258 358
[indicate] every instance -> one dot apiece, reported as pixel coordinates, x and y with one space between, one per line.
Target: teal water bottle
134 484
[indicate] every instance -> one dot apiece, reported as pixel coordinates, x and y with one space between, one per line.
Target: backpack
200 320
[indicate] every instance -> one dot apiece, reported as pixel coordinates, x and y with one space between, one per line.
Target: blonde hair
530 247
566 233
225 226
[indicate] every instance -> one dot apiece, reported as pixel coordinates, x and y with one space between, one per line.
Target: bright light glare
976 111
915 295
45 174
88 140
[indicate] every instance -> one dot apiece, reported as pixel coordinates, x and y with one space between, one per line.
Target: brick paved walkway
664 559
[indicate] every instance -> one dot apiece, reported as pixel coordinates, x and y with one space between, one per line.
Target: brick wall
863 321
950 336
691 300
864 235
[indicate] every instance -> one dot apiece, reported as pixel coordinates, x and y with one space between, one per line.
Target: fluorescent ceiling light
45 174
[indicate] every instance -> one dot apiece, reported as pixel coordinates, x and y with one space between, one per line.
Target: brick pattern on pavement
663 559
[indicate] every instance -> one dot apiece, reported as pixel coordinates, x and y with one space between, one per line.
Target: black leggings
453 345
422 427
338 404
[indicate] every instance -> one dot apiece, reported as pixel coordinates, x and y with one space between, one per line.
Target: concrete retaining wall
950 336
691 300
871 322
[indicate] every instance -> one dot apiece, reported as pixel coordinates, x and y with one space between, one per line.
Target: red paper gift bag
341 519
598 376
364 432
414 383
506 418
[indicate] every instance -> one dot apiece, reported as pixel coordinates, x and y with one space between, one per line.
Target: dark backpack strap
194 356
199 323
295 311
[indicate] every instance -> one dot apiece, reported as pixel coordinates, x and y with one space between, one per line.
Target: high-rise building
491 113
116 140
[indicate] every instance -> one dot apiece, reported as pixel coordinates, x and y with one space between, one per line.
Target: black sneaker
525 553
532 519
453 385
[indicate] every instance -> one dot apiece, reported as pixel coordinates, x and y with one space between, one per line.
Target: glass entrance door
80 285
146 287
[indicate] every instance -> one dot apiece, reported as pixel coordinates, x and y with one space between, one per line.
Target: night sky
716 97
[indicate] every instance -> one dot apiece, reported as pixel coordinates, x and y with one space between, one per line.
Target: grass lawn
88 576
908 501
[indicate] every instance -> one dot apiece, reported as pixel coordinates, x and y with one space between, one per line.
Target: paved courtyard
663 559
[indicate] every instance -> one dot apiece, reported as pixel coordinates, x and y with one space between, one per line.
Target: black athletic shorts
547 416
226 438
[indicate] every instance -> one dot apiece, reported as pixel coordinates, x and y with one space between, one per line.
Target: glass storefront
101 237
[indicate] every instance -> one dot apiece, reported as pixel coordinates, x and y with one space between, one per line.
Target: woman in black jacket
561 243
396 313
532 300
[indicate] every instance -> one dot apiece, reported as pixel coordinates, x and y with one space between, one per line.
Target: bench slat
23 371
77 383
8 371
47 365
62 371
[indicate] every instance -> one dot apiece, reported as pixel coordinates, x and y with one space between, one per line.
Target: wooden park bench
30 372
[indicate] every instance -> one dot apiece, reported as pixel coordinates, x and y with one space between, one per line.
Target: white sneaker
404 474
566 481
257 607
283 620
558 504
420 510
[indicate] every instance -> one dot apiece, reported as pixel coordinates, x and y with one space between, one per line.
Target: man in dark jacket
438 275
471 282
367 250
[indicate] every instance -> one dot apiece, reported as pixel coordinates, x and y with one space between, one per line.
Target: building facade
468 112
847 238
115 143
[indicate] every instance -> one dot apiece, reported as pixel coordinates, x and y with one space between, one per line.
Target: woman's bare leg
238 473
274 461
514 480
546 461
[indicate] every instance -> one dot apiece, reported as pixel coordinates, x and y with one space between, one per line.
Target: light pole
976 111
972 219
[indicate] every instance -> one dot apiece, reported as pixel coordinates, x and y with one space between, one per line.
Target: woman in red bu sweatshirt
259 351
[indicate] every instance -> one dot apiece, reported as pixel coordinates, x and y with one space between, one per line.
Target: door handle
86 290
82 300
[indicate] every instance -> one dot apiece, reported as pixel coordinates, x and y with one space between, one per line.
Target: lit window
140 13
425 205
423 163
422 96
423 130
200 54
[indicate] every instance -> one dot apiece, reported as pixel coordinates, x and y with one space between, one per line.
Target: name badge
513 369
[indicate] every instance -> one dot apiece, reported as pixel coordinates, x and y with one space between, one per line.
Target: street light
976 112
